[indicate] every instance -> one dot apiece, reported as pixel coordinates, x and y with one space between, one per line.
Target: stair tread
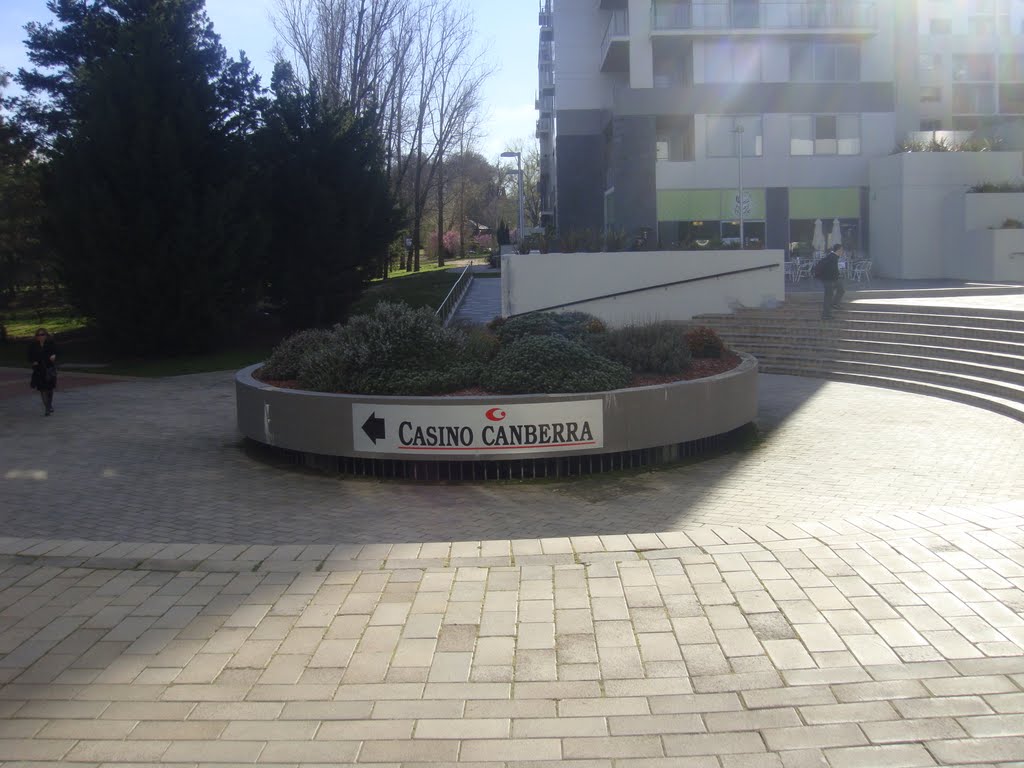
1007 403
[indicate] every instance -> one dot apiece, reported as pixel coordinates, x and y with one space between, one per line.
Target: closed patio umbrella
818 241
836 235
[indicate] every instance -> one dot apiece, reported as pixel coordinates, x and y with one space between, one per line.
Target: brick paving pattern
848 592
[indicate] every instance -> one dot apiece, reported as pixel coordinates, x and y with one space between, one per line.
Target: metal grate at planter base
498 436
520 469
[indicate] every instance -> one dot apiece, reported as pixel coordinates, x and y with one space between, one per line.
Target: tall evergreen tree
150 209
334 215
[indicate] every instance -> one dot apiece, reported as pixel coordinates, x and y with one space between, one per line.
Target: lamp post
738 130
519 169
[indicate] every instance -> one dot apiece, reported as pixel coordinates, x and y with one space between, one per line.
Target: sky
507 28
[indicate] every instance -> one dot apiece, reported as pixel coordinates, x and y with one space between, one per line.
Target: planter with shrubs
326 392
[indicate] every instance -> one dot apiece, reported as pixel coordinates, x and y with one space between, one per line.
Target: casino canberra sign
461 430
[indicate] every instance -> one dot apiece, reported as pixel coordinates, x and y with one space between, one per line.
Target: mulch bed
700 368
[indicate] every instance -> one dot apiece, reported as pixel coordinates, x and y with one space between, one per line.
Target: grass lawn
426 288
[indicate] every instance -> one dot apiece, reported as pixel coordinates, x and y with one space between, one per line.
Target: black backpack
818 271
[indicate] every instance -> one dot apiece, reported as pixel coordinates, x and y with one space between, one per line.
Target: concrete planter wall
542 280
975 247
632 419
910 232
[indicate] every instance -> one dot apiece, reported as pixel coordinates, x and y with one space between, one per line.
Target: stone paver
850 592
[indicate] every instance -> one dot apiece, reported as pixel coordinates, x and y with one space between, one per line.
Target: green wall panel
824 203
705 204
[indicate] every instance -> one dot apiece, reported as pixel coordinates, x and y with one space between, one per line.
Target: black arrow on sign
374 428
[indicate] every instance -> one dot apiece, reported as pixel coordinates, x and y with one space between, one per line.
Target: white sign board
472 430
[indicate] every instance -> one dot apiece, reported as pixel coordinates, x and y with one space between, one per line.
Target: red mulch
700 368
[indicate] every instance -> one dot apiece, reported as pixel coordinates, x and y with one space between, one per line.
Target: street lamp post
519 169
738 130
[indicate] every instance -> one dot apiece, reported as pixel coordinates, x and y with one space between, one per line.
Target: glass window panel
825 139
717 62
721 141
848 134
801 62
751 134
747 62
931 93
848 63
1011 99
661 149
801 135
825 63
1011 67
941 27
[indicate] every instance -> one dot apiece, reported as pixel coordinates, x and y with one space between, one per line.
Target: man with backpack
827 270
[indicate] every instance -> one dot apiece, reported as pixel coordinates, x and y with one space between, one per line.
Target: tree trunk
440 212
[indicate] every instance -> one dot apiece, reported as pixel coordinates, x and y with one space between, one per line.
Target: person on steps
827 270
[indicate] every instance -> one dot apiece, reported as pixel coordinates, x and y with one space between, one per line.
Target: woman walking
42 353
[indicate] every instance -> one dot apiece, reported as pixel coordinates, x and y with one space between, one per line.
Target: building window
722 141
732 62
824 62
824 135
940 27
930 94
974 99
1011 99
931 125
674 140
974 68
1011 67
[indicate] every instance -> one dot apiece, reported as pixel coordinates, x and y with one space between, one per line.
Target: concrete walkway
482 302
849 592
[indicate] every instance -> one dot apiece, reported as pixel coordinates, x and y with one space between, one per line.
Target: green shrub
285 360
569 325
394 350
653 348
552 364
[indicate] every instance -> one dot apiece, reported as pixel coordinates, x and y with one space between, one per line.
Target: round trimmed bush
653 348
396 350
569 325
552 364
286 359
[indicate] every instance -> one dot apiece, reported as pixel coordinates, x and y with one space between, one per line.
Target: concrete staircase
973 356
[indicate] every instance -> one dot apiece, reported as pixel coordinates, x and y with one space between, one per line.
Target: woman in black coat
42 353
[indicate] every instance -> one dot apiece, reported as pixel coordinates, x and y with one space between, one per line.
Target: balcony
545 105
545 126
545 52
546 19
615 48
547 80
787 17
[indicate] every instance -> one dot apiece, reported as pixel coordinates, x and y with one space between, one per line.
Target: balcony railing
764 15
545 105
547 79
544 126
618 26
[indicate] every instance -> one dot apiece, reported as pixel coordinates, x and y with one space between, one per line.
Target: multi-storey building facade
676 115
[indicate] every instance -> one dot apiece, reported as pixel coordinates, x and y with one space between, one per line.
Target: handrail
447 316
648 288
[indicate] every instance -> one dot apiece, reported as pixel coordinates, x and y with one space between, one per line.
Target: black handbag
51 375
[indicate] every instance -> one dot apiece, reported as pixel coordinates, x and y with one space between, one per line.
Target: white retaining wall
541 281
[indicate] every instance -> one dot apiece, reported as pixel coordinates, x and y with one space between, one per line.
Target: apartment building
679 116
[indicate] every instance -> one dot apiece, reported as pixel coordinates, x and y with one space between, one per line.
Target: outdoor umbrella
836 236
818 241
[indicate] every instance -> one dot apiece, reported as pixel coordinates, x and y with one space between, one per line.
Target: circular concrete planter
499 427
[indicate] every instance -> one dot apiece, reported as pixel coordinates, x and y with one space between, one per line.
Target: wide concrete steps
974 356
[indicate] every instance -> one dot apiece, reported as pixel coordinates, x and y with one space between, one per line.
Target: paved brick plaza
847 593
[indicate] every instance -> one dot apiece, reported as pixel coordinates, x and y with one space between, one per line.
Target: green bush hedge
397 350
569 325
552 364
654 348
286 359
